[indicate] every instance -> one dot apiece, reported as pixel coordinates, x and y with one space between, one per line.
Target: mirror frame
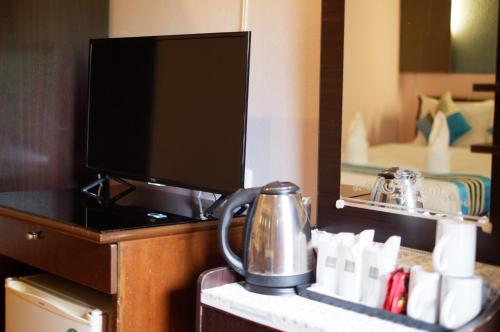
416 232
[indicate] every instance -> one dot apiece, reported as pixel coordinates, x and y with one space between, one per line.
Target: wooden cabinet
82 261
149 273
157 278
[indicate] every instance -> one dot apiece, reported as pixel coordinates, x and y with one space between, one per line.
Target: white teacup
423 298
461 300
455 250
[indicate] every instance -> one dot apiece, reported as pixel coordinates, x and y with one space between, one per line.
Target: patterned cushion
457 125
445 105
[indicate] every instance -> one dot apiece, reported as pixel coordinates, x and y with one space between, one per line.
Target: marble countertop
295 313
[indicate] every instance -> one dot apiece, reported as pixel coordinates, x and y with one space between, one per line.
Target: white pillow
479 115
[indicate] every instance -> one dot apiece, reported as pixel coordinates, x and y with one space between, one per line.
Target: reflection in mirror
408 124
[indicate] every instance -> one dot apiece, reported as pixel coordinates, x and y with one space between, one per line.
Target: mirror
409 105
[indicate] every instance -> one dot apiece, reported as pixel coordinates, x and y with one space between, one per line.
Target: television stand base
102 194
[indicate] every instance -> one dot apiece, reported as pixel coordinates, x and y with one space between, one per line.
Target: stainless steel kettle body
277 253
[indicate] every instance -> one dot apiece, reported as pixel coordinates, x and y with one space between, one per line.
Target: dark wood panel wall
425 40
43 89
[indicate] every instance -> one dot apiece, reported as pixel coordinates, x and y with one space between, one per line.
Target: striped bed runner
474 190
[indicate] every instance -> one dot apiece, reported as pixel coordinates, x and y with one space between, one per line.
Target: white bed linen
437 195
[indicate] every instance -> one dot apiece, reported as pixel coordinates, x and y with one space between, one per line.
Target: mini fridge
45 303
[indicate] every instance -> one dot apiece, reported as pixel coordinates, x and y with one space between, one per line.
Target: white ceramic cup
461 300
423 298
455 250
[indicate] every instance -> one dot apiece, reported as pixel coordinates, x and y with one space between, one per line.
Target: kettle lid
280 188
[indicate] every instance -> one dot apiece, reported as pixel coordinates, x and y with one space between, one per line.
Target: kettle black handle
239 198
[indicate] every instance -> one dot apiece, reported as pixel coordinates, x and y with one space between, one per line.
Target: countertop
70 211
295 313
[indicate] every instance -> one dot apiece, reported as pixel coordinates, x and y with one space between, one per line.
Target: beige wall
373 84
284 72
371 67
157 17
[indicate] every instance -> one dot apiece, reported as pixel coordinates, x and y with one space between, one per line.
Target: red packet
400 285
397 292
388 292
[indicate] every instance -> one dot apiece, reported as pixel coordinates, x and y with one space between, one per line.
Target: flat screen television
170 109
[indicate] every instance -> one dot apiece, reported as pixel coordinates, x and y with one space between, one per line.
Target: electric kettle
398 186
277 252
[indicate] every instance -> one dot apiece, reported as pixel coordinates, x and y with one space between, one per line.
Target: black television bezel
164 181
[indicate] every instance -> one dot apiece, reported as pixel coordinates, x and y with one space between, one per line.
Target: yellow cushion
446 105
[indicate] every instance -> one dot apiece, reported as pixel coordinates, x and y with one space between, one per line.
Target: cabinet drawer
87 263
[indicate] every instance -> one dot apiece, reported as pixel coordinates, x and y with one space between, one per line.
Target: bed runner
474 190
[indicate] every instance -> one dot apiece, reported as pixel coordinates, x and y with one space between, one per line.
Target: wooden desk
149 273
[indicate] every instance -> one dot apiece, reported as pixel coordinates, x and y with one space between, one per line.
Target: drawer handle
31 236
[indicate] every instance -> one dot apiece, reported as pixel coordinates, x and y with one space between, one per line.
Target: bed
465 189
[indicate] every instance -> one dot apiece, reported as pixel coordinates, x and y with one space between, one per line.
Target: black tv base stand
102 193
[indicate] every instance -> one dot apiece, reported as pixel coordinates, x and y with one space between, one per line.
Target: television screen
170 109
